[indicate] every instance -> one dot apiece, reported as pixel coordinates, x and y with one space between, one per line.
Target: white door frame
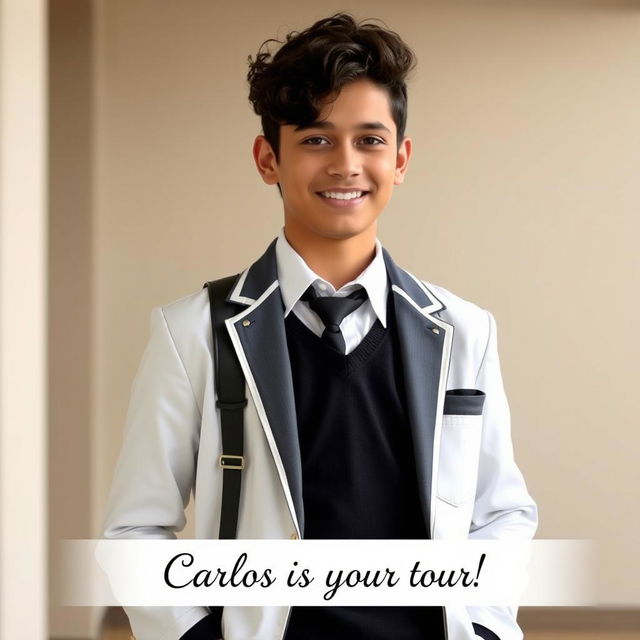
23 310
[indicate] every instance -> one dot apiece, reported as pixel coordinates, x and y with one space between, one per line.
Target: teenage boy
375 401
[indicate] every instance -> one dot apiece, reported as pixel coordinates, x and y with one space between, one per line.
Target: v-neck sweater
358 469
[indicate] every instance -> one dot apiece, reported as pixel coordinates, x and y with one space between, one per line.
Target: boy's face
351 148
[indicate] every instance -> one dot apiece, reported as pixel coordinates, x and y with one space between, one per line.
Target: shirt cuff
206 629
483 632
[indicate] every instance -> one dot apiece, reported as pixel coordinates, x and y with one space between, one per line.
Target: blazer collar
255 280
415 289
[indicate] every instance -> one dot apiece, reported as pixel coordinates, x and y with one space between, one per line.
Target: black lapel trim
425 345
418 291
257 278
421 352
263 340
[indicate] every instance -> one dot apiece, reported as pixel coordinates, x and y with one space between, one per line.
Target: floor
123 634
537 624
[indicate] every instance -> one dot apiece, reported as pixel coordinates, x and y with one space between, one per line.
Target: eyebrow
323 124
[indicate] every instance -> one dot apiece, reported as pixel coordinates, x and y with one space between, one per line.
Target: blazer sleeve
155 471
503 507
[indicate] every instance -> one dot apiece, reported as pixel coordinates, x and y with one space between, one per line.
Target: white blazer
469 484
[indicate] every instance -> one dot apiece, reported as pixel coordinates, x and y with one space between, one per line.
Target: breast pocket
460 445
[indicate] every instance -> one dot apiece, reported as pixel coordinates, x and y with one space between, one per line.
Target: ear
265 160
402 160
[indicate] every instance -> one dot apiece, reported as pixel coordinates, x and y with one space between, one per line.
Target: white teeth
341 196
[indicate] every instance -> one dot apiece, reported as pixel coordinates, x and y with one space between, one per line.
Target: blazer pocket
465 402
460 439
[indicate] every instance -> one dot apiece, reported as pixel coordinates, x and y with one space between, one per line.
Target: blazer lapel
258 335
425 348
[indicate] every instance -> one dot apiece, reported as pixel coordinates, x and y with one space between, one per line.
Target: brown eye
372 140
312 141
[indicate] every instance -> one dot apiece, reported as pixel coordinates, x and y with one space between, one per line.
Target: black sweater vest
358 469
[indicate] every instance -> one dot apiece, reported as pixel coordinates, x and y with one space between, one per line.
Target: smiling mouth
342 196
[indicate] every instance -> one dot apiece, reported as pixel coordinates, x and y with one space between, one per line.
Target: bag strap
231 400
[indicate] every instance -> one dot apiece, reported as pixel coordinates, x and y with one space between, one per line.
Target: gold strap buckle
227 461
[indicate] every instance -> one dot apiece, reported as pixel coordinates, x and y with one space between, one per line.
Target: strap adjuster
232 406
227 461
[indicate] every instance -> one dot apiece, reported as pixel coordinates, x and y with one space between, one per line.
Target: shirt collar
295 276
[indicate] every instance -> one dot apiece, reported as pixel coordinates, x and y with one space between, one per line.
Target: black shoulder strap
231 399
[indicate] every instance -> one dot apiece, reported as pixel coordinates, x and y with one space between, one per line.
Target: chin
342 233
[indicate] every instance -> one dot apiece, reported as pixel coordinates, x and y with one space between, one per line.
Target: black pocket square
464 402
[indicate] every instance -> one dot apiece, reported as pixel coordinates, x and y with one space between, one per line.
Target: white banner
327 572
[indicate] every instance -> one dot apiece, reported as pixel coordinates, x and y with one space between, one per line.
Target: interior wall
70 278
521 196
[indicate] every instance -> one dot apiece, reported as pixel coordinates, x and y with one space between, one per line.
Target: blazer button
294 536
246 323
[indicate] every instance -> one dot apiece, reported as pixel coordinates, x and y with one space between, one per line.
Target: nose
344 161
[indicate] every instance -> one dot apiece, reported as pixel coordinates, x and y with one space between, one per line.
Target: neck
337 261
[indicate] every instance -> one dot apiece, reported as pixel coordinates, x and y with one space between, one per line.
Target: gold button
435 330
294 536
246 323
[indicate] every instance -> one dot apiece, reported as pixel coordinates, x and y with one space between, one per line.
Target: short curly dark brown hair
310 66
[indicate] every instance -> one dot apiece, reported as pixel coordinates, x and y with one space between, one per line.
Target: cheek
301 177
385 170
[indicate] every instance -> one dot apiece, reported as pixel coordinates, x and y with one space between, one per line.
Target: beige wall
522 196
71 116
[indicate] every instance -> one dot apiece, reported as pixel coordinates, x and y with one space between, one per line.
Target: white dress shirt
295 277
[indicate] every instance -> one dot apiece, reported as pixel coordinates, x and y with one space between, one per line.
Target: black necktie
332 310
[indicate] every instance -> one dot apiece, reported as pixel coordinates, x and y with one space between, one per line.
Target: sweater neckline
347 362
